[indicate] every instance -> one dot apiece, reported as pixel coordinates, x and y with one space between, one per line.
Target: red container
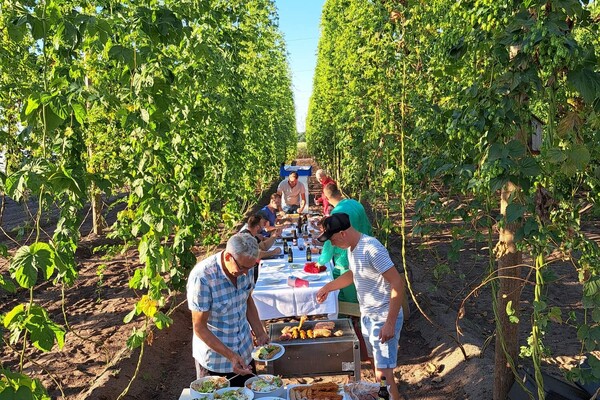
294 281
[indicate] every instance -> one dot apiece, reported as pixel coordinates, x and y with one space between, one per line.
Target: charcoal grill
317 356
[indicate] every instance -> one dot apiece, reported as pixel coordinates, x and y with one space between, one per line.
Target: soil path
95 364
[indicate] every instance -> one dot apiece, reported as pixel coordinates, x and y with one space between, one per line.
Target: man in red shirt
324 180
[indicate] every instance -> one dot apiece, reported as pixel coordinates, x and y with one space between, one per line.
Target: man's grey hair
242 244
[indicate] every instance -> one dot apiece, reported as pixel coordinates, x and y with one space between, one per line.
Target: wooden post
509 270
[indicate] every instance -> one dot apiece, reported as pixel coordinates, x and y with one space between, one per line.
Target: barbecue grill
317 356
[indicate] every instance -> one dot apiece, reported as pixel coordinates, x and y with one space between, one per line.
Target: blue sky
299 21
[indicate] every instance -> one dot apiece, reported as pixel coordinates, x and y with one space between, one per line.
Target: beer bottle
285 246
294 238
383 393
308 253
290 255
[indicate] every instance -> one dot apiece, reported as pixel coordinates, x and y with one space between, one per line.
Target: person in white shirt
380 289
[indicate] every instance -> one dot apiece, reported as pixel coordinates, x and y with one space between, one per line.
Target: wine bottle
383 393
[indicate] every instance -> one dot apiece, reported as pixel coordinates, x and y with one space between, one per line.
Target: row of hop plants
164 102
418 103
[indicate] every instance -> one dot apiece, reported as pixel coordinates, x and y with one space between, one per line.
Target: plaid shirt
209 289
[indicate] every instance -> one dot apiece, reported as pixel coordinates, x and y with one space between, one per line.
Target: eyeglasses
240 267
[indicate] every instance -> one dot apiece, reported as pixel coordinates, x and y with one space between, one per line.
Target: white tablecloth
275 299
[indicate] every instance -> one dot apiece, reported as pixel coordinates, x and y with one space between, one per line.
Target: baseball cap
333 224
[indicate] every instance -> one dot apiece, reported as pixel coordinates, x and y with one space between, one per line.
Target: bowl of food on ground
205 387
266 386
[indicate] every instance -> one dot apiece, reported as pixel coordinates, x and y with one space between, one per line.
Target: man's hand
322 294
262 339
239 366
387 332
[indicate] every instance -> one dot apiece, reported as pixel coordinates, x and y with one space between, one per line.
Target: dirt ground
95 364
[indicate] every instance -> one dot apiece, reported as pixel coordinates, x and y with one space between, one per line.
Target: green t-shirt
360 222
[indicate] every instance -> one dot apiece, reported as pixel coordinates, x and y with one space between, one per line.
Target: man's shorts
385 355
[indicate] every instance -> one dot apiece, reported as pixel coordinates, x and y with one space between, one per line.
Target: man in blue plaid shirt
219 294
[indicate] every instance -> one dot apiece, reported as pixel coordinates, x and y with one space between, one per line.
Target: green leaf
162 321
579 155
509 308
130 316
530 167
596 314
136 339
591 287
32 105
43 332
53 120
587 82
18 312
514 212
29 261
79 112
516 149
539 306
7 285
556 155
495 152
555 314
121 54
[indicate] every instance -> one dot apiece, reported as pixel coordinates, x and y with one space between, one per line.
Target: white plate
311 278
274 266
256 352
206 395
271 280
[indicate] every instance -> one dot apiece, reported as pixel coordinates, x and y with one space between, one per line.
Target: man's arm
346 279
200 325
255 323
302 201
397 291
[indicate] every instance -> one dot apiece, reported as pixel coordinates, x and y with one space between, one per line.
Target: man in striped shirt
380 289
219 292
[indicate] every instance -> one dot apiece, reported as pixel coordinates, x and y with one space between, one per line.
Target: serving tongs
236 375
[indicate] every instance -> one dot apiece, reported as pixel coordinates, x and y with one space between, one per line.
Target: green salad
210 385
233 394
265 384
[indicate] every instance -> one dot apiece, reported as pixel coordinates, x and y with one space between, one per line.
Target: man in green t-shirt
360 222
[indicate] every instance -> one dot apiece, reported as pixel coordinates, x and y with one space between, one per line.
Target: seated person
253 226
293 193
269 212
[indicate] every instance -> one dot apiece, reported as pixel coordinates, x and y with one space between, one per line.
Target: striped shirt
209 289
368 261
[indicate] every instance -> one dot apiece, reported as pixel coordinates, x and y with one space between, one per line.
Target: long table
274 298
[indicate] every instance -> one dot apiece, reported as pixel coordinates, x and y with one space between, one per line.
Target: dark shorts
291 209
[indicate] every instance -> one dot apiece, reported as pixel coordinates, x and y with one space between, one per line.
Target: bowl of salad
266 386
205 387
233 393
